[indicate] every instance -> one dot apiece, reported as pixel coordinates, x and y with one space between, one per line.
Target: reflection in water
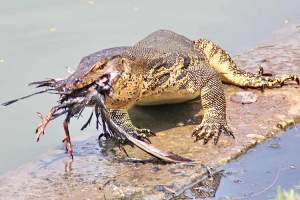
201 189
68 167
208 187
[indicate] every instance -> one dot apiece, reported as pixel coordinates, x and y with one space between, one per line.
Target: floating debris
2 60
274 146
91 2
52 29
292 167
136 9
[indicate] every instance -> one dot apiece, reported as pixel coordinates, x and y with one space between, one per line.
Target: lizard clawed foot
142 134
207 131
282 79
275 82
264 82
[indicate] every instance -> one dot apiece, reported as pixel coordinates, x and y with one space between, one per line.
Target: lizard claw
146 132
278 81
207 131
284 78
297 80
143 134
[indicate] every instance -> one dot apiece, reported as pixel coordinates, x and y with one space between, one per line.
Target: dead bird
89 87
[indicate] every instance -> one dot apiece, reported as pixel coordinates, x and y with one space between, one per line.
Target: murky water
260 173
40 39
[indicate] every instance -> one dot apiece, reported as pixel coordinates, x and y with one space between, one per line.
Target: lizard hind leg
230 73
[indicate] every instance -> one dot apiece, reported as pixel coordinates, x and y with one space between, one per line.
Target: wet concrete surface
97 174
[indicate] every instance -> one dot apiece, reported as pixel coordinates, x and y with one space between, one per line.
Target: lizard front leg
122 119
213 103
230 73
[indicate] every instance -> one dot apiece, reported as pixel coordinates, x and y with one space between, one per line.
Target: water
259 174
266 168
40 39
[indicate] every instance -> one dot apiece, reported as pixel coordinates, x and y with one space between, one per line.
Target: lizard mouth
106 81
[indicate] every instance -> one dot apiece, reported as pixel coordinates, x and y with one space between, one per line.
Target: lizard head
119 75
125 80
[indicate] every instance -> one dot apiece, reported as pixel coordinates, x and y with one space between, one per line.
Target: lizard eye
99 65
123 61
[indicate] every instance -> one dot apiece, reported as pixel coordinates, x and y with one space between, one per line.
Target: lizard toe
142 134
211 131
146 132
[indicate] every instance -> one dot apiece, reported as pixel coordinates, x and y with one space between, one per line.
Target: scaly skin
169 75
181 70
230 72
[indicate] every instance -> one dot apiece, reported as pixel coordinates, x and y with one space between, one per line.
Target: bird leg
40 130
67 139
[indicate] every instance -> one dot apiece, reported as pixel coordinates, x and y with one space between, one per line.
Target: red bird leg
67 139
